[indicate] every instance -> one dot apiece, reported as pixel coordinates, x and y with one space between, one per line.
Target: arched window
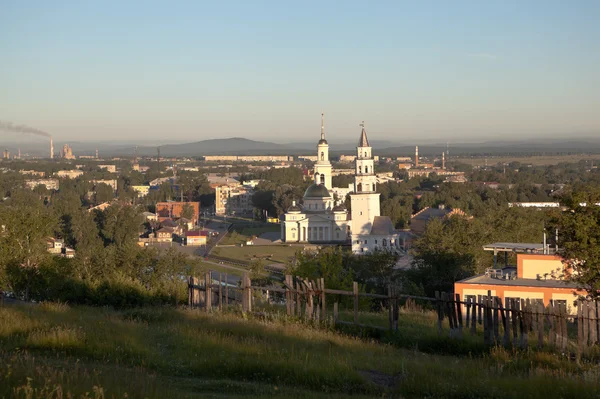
365 154
366 169
317 178
359 187
384 242
360 169
322 178
322 156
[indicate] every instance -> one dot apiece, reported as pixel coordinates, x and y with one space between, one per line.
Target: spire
322 126
363 142
322 141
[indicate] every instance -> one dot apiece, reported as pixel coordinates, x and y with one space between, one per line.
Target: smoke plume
22 129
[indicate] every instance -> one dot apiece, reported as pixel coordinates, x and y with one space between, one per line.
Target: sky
193 70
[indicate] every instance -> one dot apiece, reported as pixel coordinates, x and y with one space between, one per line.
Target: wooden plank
505 322
552 323
486 327
468 313
226 291
208 285
220 292
396 313
479 309
473 315
593 324
323 304
494 305
288 296
438 306
335 312
540 325
515 321
390 307
355 291
580 345
459 313
586 325
298 298
565 331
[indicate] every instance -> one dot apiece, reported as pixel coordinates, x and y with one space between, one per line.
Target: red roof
196 233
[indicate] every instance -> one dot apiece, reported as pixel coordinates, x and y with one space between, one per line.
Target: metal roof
519 247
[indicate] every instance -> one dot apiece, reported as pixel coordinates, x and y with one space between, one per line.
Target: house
141 191
55 245
196 237
149 216
538 276
164 234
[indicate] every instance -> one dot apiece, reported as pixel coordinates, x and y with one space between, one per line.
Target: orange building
538 276
173 209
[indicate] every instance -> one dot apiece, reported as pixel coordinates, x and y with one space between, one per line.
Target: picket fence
519 323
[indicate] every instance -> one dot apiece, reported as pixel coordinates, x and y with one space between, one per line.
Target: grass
280 253
203 267
53 350
243 232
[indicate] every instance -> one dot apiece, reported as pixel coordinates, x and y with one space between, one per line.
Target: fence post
396 312
468 309
323 304
459 318
473 315
355 292
244 295
579 329
540 324
335 312
249 292
220 292
438 305
226 291
288 295
593 324
390 307
190 291
298 297
479 309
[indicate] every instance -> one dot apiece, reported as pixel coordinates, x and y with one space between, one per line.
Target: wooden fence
514 323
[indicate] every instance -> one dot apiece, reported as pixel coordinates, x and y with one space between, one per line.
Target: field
53 350
280 253
541 160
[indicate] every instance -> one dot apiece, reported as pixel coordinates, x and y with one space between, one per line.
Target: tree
579 228
23 240
187 212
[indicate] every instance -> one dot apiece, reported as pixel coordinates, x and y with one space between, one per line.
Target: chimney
416 156
51 148
443 161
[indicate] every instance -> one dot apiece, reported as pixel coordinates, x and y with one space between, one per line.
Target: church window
320 233
322 156
365 154
384 242
337 235
366 169
362 250
365 242
322 178
360 169
359 188
361 213
375 241
323 205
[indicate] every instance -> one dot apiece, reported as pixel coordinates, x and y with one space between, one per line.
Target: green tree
579 228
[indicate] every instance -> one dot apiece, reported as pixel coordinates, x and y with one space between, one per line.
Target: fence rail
514 323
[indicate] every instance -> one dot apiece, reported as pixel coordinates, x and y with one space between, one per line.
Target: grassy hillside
52 351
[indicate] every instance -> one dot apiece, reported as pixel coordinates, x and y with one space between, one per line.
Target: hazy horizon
189 71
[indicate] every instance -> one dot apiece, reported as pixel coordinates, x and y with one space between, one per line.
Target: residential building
69 174
108 182
149 216
109 168
164 234
537 276
50 184
231 200
347 158
54 245
312 158
32 173
141 191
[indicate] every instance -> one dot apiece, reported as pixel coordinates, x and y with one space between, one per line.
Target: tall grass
53 350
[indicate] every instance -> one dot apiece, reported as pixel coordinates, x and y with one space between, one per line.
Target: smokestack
443 161
545 245
51 148
416 156
19 153
96 153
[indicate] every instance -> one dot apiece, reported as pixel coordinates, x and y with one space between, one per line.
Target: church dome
294 208
339 208
317 190
322 141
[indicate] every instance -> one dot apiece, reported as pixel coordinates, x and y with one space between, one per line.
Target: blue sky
191 70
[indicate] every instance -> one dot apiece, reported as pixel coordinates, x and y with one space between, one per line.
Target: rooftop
517 247
519 282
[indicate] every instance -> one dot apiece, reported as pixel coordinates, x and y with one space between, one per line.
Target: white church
320 220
